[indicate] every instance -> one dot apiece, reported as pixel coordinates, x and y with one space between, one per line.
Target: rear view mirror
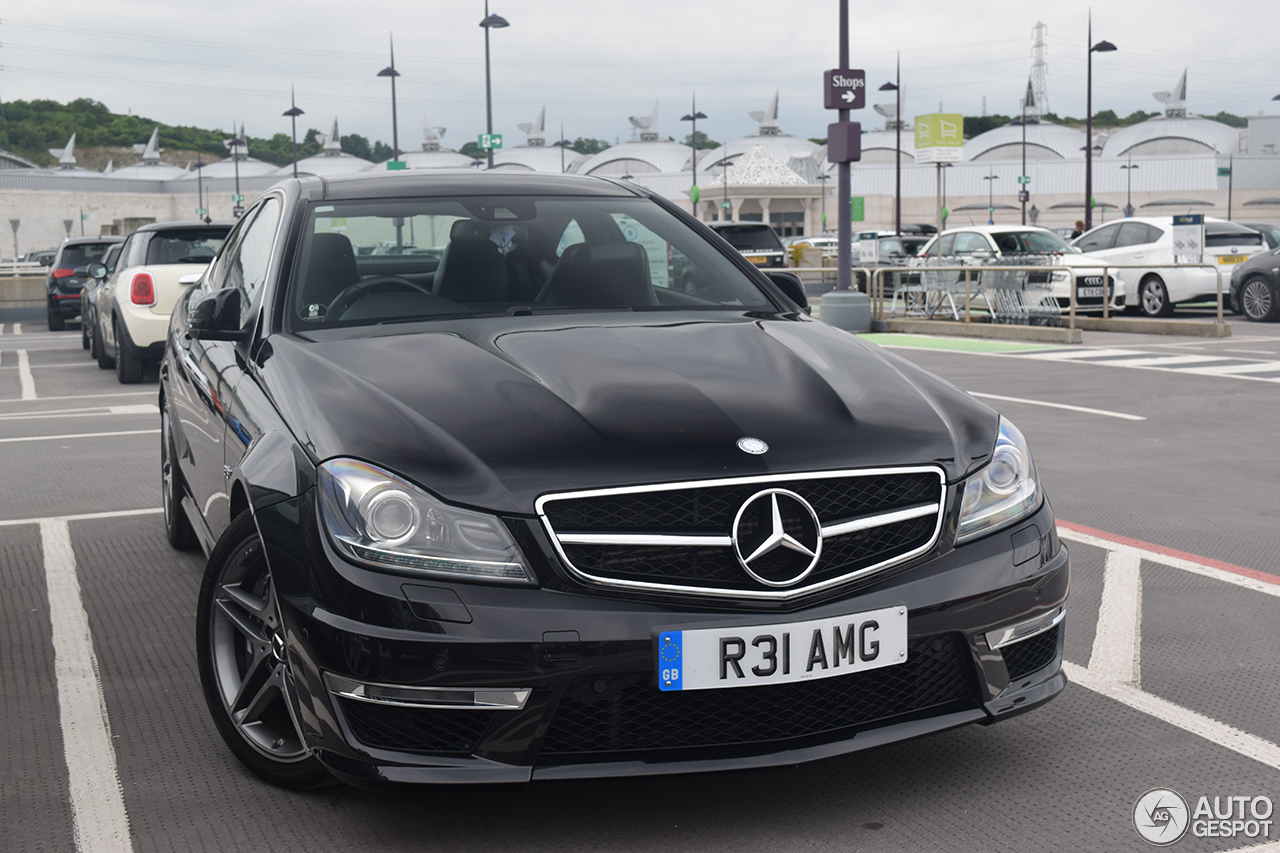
789 283
216 317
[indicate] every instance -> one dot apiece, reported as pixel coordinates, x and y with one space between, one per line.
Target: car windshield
81 254
366 262
1030 242
750 238
193 246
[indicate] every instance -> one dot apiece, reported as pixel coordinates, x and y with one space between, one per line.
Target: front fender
274 469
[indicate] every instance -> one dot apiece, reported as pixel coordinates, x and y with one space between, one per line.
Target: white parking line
1084 409
150 393
25 379
84 516
1114 668
136 409
99 820
17 328
78 435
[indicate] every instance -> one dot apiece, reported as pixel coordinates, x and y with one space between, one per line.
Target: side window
226 259
1132 234
968 242
135 250
1098 240
1153 233
247 267
948 246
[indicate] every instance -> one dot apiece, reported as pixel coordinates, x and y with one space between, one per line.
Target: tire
95 345
177 526
1153 297
1259 301
84 333
128 366
244 668
56 321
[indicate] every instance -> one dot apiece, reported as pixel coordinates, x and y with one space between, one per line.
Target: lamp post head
495 22
292 111
693 116
1103 47
1276 98
388 72
889 87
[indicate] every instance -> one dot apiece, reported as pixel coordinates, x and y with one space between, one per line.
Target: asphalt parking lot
1159 456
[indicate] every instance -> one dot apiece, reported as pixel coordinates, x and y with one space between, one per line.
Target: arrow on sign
848 97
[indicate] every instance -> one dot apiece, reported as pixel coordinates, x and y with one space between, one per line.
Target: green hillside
31 128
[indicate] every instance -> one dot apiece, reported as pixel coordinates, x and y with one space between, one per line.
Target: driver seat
472 269
331 269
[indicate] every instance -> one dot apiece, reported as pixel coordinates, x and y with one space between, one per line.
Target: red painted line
1170 552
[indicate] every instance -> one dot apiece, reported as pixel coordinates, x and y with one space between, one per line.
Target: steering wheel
368 286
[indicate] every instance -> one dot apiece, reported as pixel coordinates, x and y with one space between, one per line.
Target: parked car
985 245
1269 230
43 257
757 242
66 277
523 512
1255 287
1144 241
89 298
157 264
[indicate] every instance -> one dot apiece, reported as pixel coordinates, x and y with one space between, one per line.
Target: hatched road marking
1114 668
25 379
1085 409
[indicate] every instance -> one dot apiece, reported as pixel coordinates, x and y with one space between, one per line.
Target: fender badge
754 446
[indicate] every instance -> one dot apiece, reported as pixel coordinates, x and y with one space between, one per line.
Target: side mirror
216 317
980 254
789 283
95 270
189 278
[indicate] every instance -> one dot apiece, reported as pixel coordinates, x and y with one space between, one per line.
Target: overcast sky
593 63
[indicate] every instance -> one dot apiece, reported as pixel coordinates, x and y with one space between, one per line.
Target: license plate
1088 291
709 658
758 259
1231 259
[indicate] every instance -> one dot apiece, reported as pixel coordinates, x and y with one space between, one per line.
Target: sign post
940 139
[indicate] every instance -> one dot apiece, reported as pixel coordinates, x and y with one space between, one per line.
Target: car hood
493 414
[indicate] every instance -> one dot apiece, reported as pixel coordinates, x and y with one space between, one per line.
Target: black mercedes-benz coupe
487 497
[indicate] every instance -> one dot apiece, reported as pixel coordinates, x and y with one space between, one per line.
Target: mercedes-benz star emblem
777 537
754 446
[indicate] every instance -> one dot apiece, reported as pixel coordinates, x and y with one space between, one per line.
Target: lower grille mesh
625 713
1030 655
415 729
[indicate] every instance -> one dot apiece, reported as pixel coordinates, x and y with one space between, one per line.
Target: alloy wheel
1257 301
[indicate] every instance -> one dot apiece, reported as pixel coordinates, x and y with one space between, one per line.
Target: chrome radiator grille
689 536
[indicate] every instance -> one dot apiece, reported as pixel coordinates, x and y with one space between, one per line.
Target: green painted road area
885 339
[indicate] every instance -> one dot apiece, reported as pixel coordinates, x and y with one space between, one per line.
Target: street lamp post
896 88
390 71
293 112
693 117
237 141
490 22
1101 47
1128 193
991 179
942 168
200 209
823 177
562 144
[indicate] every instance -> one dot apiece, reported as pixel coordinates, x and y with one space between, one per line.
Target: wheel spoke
256 677
268 691
261 608
243 622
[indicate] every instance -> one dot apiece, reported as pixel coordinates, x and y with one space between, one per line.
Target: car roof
993 229
407 183
184 225
80 241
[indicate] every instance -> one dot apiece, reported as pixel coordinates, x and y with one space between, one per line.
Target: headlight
1003 492
381 520
1060 276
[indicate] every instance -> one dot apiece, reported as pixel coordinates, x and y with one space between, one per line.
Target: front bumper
586 660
